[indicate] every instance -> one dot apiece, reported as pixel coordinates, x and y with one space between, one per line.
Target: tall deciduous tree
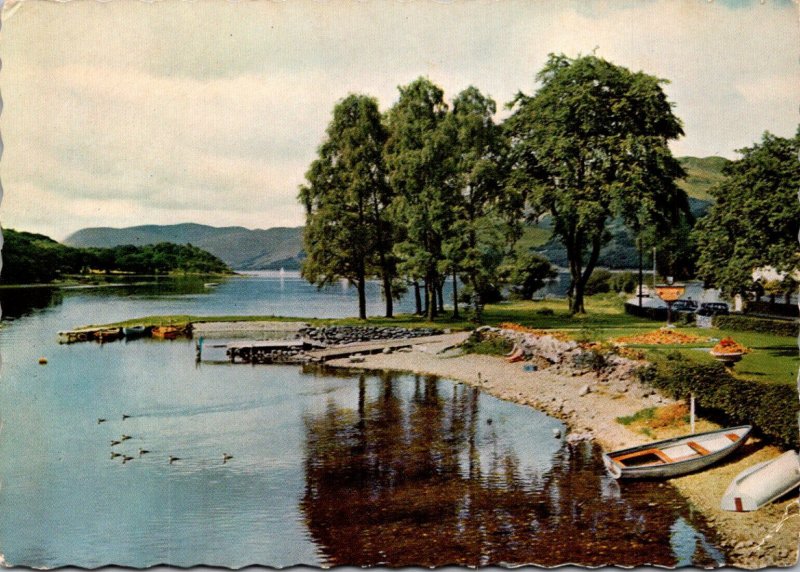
486 221
347 233
590 145
755 220
420 166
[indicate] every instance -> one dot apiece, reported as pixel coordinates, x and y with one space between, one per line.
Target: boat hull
763 483
167 332
663 467
134 331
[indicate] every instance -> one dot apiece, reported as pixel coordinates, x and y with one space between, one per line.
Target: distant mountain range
239 247
274 248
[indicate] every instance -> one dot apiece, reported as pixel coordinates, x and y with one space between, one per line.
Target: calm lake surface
329 467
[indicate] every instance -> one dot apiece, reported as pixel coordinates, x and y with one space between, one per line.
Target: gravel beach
590 404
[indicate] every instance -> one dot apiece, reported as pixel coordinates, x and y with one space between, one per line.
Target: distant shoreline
106 280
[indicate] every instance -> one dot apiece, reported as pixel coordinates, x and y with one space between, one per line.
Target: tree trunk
362 295
455 296
427 299
582 278
417 298
387 293
440 294
576 305
430 298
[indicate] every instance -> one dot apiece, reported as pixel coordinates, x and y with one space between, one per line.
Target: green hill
239 247
702 174
35 258
263 249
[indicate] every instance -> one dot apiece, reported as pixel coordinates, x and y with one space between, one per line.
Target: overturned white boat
763 483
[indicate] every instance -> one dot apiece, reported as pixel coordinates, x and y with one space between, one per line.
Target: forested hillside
238 247
35 258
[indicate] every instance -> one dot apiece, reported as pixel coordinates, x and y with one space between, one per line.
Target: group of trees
755 220
428 192
35 258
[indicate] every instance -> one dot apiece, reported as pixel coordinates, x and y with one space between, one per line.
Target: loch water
328 466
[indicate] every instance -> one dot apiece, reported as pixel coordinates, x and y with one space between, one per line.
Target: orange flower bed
661 337
729 346
524 329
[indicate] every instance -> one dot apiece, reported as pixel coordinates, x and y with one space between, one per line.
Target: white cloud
130 113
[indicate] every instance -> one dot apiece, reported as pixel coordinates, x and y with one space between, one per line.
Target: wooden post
691 411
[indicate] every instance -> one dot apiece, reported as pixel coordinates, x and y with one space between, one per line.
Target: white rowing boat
676 456
763 483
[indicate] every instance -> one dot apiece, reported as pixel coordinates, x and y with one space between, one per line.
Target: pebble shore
589 402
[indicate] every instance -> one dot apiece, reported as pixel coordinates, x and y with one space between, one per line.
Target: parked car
713 309
684 306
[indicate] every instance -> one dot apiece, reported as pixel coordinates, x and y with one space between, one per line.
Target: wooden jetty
304 350
101 335
266 351
380 346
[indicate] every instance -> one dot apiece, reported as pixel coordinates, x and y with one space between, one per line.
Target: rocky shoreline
589 396
340 335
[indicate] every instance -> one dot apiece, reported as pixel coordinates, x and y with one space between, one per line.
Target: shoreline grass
774 359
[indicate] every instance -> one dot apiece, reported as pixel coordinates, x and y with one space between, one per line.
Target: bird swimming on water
226 457
124 416
126 458
100 420
124 437
173 459
114 454
143 451
115 442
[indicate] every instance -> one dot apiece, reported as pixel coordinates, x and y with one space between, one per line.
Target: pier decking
366 348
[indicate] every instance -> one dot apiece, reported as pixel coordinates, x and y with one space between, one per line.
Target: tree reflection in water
400 481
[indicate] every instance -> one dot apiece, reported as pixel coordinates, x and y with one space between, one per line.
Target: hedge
659 314
772 409
789 328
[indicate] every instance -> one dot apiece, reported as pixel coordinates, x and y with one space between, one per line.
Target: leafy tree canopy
592 144
345 199
35 258
756 218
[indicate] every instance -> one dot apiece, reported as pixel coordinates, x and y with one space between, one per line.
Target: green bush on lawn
772 409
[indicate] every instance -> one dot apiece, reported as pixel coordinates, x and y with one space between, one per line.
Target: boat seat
732 436
644 458
699 448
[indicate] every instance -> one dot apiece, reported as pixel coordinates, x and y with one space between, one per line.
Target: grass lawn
774 359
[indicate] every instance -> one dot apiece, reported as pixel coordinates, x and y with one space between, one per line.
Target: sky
124 113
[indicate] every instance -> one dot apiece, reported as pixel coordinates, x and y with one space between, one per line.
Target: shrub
754 324
590 359
488 344
624 282
772 409
599 282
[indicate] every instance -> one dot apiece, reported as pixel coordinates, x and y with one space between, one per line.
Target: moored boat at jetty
677 456
168 332
107 334
762 483
134 331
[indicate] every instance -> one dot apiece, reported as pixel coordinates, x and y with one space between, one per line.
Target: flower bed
664 336
561 336
727 346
